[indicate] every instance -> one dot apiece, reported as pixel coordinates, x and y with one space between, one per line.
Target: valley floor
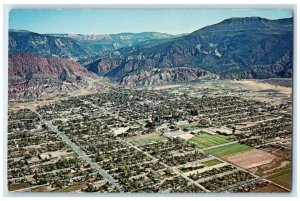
193 137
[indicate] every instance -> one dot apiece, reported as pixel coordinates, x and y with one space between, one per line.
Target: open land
251 158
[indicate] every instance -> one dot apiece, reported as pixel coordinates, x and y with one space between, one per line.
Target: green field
211 162
144 139
228 149
207 140
190 126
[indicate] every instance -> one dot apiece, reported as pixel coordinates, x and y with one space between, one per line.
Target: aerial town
175 101
212 136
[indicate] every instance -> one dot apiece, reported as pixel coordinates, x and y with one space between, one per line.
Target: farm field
251 158
207 140
283 177
228 149
278 171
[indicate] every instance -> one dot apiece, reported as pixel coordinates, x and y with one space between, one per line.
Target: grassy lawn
283 178
211 162
228 149
190 126
207 140
144 139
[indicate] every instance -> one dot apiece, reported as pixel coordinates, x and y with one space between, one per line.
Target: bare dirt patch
186 136
256 85
167 86
263 91
251 158
120 130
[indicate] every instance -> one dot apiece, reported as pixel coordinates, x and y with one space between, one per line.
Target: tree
194 112
233 130
204 122
90 188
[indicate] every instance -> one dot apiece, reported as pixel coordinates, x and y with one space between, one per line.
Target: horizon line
96 34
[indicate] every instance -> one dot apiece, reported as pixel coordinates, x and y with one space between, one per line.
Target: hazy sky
108 21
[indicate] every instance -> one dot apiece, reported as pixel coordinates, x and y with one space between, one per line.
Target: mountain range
235 48
75 46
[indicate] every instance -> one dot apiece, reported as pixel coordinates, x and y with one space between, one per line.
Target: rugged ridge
44 45
31 76
76 46
234 48
167 75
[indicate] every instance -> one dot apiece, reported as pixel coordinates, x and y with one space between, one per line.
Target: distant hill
235 48
44 45
75 46
249 47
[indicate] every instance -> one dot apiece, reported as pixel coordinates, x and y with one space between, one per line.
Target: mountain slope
167 75
234 48
117 40
76 46
43 45
32 76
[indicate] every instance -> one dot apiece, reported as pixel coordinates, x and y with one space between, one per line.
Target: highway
80 153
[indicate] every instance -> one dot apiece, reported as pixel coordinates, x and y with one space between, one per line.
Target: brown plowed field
251 158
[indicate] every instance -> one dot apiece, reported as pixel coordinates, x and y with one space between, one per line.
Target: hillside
32 76
234 48
76 46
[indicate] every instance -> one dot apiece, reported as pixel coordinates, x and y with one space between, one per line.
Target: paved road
80 152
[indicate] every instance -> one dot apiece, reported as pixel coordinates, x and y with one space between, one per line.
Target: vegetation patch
207 140
228 149
211 162
283 177
190 126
